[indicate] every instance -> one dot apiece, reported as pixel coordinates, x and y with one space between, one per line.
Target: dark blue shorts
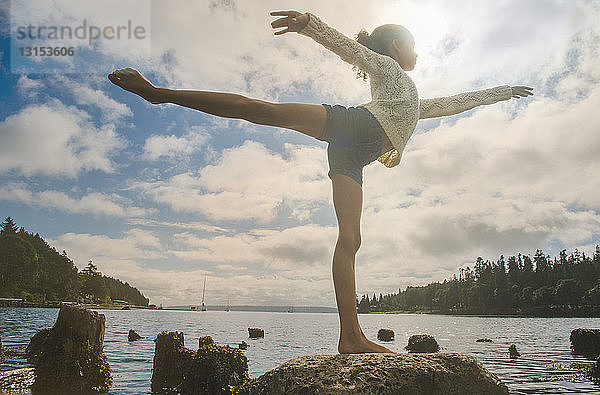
355 139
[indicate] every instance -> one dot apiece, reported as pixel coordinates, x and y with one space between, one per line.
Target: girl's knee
350 241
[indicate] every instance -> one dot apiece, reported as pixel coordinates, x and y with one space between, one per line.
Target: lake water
542 342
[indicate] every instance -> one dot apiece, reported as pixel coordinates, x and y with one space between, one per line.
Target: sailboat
227 308
203 291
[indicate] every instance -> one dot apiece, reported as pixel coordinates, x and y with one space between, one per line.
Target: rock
513 352
69 356
586 342
422 343
386 335
34 348
378 374
484 340
16 380
255 333
243 345
133 336
594 371
212 369
2 356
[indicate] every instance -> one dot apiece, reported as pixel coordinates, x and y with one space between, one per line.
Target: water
542 342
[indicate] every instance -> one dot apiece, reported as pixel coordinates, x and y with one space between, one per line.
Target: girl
356 136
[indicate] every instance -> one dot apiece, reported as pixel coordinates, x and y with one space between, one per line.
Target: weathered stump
166 374
69 356
422 343
213 369
133 336
513 352
586 342
484 340
254 333
386 335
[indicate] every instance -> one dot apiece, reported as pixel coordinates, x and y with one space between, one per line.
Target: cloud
92 203
135 244
194 226
174 147
91 55
249 183
259 266
292 248
53 139
28 87
84 94
491 183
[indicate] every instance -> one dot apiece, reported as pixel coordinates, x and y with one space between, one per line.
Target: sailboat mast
203 289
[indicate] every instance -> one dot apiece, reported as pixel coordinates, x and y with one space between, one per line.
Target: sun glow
425 21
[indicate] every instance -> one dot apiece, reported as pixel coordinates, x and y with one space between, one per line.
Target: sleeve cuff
505 92
311 26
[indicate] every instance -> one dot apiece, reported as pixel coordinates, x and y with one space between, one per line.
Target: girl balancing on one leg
356 136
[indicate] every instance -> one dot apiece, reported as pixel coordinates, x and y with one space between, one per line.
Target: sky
160 195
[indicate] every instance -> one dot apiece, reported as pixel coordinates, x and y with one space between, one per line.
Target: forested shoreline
32 270
567 285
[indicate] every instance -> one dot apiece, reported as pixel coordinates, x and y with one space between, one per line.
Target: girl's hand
521 91
293 21
133 81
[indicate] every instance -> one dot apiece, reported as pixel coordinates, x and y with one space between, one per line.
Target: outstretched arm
451 105
349 50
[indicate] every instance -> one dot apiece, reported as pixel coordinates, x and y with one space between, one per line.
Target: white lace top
394 99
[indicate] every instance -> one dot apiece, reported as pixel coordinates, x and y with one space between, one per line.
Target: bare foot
133 81
359 346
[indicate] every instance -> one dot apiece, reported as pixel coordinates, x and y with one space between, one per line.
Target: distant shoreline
321 309
265 309
549 313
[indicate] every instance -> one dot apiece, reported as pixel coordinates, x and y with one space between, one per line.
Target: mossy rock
212 369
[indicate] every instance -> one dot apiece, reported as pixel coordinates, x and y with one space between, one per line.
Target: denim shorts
355 139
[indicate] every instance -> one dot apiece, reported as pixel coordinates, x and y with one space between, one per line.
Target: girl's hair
380 40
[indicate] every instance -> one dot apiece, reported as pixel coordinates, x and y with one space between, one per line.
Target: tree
93 284
364 306
19 268
543 296
9 227
90 270
567 292
513 270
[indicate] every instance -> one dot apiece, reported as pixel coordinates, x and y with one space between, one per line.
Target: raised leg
309 119
347 199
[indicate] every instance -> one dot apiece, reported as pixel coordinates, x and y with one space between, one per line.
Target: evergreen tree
8 227
93 283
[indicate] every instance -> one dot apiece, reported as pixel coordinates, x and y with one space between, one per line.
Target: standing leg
347 199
